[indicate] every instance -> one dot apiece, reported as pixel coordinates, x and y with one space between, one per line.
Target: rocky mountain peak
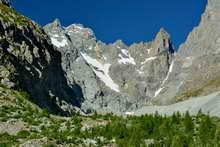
76 26
197 61
55 27
56 23
6 2
80 31
163 42
162 34
120 44
115 71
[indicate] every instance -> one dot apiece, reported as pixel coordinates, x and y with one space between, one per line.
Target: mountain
113 77
196 69
28 61
123 78
67 69
49 74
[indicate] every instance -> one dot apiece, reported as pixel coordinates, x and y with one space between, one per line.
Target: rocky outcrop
28 61
196 68
6 2
113 77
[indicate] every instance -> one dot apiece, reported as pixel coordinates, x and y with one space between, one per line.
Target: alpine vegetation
61 86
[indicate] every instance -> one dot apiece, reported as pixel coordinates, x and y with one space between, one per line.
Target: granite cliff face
67 68
28 61
146 73
196 69
113 77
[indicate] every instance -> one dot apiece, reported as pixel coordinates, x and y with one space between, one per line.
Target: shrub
23 134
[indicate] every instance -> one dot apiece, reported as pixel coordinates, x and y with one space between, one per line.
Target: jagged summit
196 68
118 71
57 22
162 42
162 34
74 26
120 43
79 33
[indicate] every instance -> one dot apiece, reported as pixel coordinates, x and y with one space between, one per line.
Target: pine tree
205 129
217 136
188 123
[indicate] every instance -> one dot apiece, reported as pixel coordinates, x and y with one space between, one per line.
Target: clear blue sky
128 20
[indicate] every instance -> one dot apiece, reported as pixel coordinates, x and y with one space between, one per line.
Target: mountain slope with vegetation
24 124
28 61
42 89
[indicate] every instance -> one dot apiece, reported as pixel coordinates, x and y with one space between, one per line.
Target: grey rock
12 128
197 61
113 77
35 142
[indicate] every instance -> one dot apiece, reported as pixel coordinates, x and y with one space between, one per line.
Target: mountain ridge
196 63
111 59
66 71
29 62
115 77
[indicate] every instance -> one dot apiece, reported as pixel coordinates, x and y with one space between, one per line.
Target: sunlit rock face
196 66
113 77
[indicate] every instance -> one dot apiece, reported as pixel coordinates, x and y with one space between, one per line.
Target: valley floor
24 124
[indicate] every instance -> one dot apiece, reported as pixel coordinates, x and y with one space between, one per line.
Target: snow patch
118 46
104 57
140 71
158 91
90 48
102 71
55 35
129 113
168 74
148 50
127 59
125 52
149 59
58 43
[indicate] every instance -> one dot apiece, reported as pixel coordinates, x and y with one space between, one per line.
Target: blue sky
128 20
